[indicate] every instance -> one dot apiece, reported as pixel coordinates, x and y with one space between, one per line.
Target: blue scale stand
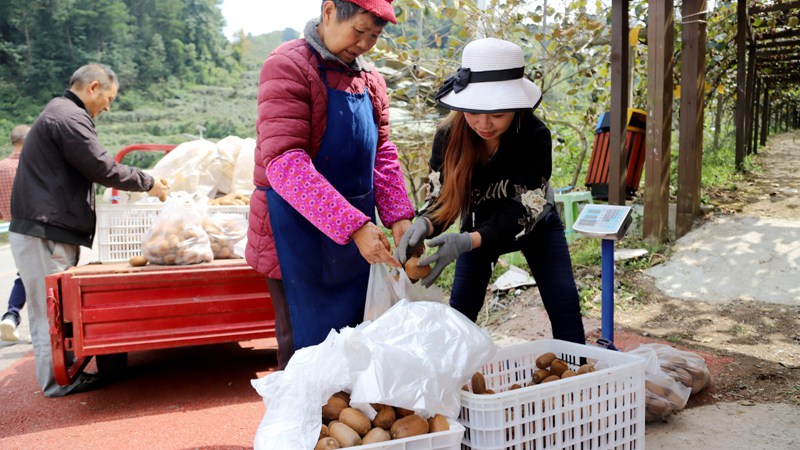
608 223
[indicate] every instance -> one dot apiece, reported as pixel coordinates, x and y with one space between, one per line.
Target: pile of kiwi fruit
344 426
548 368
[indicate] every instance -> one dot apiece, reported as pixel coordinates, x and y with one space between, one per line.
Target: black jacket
522 162
53 196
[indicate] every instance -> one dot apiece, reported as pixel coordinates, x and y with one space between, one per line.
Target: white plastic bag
243 150
388 285
177 237
663 394
416 356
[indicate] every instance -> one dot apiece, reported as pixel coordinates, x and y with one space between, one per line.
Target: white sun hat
491 79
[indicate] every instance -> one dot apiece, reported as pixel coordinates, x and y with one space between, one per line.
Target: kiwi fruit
334 407
138 261
327 443
344 435
414 271
385 417
540 375
356 420
409 426
438 423
478 383
557 367
376 435
544 360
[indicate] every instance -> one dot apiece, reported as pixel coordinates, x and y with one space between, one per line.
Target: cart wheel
112 366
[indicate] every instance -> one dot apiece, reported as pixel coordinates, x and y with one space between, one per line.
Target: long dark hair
464 150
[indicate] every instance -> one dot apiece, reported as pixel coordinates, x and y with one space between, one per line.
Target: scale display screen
603 221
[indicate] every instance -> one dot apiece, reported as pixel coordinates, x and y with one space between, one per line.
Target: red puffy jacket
292 113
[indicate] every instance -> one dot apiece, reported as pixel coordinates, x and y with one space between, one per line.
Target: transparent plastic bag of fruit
177 237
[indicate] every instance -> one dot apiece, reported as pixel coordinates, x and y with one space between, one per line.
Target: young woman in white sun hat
490 166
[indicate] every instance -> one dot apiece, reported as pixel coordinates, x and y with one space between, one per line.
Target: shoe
8 329
86 382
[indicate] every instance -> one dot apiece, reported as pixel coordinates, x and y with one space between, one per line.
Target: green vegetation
181 78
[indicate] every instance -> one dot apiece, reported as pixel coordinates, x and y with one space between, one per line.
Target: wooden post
749 94
693 80
620 74
660 45
742 22
765 111
756 108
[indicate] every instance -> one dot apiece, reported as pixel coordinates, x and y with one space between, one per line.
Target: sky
263 16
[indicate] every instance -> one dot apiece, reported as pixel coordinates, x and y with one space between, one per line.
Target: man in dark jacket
52 201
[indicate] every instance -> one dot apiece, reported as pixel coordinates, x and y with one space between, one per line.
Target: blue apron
326 283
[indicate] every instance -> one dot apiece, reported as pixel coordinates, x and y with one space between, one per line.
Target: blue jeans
16 301
547 253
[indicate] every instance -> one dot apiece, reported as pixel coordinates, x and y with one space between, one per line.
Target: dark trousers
16 301
283 322
547 253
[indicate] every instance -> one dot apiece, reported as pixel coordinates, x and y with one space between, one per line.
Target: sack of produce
687 367
224 231
671 376
177 236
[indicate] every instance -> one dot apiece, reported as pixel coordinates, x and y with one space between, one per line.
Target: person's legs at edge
473 271
547 254
283 322
35 259
11 319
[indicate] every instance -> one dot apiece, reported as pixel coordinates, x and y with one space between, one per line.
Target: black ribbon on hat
465 76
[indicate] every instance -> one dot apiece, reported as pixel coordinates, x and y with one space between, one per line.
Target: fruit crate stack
120 227
602 409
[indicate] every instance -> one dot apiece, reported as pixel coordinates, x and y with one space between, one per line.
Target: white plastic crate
443 440
598 410
120 228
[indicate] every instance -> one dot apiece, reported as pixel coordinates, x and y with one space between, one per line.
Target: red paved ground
197 397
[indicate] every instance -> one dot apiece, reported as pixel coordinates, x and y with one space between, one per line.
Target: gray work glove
450 246
413 240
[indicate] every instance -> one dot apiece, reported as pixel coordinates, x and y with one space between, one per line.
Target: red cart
109 309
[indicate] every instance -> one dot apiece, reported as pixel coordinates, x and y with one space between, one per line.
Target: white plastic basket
120 228
598 410
443 440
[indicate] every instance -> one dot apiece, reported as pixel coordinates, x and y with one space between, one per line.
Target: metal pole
607 306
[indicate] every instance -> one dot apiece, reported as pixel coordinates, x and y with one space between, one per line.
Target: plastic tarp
204 168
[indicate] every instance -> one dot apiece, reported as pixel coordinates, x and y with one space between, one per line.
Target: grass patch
738 330
585 252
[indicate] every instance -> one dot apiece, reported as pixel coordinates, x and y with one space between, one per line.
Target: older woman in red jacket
324 162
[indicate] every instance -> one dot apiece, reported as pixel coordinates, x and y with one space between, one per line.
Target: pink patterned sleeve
391 196
294 178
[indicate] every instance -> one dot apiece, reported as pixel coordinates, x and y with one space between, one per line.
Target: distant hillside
171 113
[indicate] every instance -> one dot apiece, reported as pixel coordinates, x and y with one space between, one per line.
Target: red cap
380 8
